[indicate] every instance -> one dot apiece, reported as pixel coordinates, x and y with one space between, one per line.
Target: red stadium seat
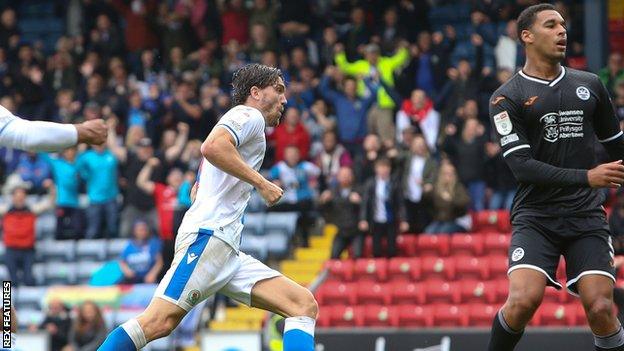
368 247
336 293
497 244
480 315
581 317
380 316
552 295
404 268
442 292
450 316
406 245
323 318
498 267
407 293
428 245
484 221
414 316
556 315
502 290
474 291
468 267
373 293
438 268
346 316
467 244
371 269
340 270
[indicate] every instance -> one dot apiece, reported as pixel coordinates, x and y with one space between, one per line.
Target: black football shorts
585 243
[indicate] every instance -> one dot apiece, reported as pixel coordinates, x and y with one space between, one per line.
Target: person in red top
166 199
235 23
138 34
18 223
291 132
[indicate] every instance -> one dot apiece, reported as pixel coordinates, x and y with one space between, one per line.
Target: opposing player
207 257
47 136
547 118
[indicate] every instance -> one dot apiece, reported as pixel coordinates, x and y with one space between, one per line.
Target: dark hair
252 75
527 17
383 161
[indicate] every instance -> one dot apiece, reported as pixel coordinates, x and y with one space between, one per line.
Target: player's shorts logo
517 254
582 93
503 123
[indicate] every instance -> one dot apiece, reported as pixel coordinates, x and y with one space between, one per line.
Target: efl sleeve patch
503 123
509 139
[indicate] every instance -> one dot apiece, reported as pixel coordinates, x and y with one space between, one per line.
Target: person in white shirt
207 257
38 136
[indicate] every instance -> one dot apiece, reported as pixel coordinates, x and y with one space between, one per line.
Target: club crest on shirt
502 122
582 93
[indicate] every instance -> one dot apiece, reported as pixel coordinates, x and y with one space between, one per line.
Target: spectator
263 13
261 41
333 157
141 261
98 168
419 172
364 165
88 330
298 179
291 132
69 216
9 32
382 210
33 169
430 58
357 33
467 152
66 110
341 207
61 73
613 72
419 112
18 223
138 34
389 32
350 110
56 323
500 179
380 117
449 200
138 205
105 38
508 50
235 22
166 200
294 23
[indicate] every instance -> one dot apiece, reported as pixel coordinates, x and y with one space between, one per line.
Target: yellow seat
244 314
235 325
321 242
301 266
311 254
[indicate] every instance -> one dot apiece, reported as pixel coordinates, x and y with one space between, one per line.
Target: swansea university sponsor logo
562 125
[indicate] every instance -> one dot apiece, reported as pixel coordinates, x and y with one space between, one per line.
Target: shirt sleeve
35 135
509 128
606 124
244 125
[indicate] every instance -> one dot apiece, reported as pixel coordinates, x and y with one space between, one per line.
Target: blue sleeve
156 246
327 92
126 252
274 173
368 101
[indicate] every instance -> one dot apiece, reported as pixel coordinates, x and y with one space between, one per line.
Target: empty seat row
416 269
399 292
85 249
441 315
442 245
60 272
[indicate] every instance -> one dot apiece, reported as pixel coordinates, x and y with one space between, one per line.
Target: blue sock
299 334
118 339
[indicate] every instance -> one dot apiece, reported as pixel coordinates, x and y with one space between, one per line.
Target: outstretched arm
143 179
49 136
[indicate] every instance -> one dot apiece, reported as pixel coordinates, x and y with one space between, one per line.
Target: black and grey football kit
547 131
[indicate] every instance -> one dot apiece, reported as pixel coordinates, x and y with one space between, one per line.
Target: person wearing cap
380 118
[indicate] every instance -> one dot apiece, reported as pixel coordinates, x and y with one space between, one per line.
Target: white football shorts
204 265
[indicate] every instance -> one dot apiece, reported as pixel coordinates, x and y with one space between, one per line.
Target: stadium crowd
386 120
